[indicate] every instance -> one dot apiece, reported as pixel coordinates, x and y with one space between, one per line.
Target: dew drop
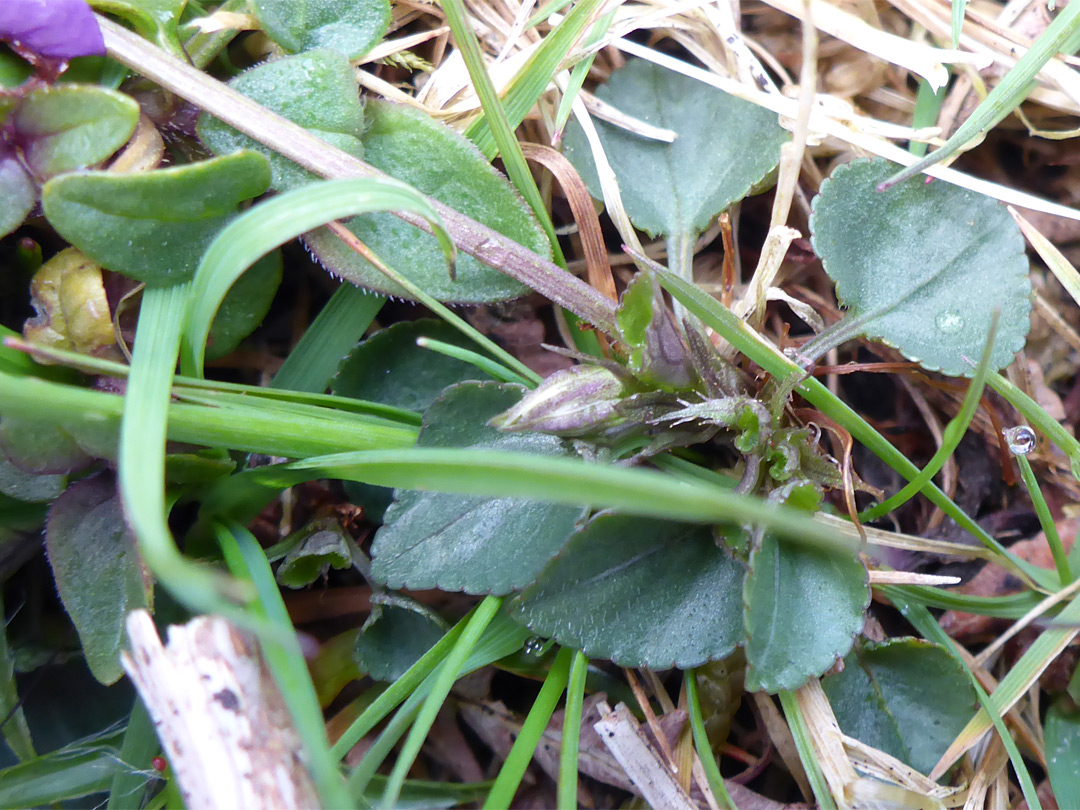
537 646
949 322
1021 439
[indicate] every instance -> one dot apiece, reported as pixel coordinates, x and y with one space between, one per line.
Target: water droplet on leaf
949 322
538 646
1021 439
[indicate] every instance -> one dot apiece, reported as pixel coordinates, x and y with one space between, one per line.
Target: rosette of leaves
921 267
639 592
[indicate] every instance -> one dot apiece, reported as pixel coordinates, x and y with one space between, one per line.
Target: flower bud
569 402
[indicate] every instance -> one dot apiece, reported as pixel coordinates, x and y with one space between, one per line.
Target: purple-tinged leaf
51 29
98 571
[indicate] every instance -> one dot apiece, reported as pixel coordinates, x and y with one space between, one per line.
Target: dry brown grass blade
598 268
826 738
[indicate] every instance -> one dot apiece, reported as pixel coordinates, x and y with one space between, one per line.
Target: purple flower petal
51 29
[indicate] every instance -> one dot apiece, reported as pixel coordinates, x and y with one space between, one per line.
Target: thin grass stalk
1046 520
448 674
805 746
521 753
701 742
571 733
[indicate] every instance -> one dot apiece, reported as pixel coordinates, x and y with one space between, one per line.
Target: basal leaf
28 487
393 640
923 266
389 367
803 609
245 305
906 697
316 90
98 571
349 26
40 447
725 147
472 544
1062 732
435 159
72 126
641 592
153 226
18 192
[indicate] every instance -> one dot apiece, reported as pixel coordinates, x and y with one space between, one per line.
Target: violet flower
50 30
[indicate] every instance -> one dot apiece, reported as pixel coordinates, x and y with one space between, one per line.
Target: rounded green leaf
803 609
349 26
924 265
471 543
316 90
725 147
18 192
429 155
641 592
393 639
98 571
153 226
245 305
390 368
72 126
906 697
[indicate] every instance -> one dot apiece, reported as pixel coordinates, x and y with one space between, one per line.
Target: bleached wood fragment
622 735
219 715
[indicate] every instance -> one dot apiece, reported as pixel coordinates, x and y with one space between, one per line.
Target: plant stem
294 142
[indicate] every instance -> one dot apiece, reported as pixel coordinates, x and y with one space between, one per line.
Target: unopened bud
570 402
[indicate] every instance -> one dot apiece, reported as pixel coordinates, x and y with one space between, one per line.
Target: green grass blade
454 320
141 472
555 480
805 747
109 368
535 75
285 659
958 9
571 732
927 108
485 364
1013 606
1009 93
398 691
74 771
1046 521
444 681
701 742
580 72
517 168
1039 418
951 437
513 769
331 336
501 638
248 427
274 222
140 746
16 730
